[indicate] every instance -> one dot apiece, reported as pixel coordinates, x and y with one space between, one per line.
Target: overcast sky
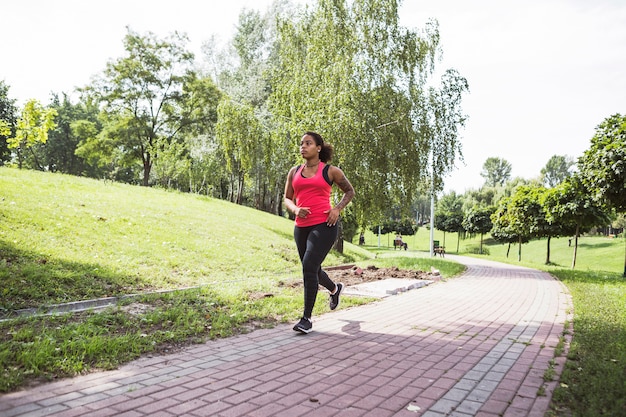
542 73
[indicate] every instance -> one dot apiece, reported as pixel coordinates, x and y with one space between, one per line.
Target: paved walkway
477 345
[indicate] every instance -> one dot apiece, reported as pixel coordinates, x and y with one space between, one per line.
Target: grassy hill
64 238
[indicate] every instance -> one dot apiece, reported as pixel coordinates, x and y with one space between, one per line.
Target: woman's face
308 147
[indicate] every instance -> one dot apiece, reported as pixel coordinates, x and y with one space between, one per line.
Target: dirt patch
353 275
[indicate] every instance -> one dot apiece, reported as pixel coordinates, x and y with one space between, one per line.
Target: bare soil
353 275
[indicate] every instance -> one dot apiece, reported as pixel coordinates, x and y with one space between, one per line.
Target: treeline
228 124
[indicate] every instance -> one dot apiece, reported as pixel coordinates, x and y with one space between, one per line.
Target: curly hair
326 153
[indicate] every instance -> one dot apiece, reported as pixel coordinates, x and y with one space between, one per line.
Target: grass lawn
64 239
593 382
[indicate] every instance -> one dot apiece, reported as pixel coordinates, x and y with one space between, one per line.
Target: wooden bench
439 250
398 243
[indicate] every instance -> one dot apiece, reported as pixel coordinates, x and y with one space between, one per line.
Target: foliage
520 217
503 229
556 170
603 165
359 79
73 123
32 127
244 75
8 120
496 171
404 227
449 215
485 196
572 205
242 140
144 100
478 220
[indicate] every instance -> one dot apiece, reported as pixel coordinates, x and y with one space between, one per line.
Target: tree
503 230
245 76
241 137
520 217
572 204
555 225
603 165
143 95
496 171
449 216
556 170
360 79
478 220
59 152
8 120
32 127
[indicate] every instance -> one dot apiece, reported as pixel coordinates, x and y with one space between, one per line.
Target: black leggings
314 243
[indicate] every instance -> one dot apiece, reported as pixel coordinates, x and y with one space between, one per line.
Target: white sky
542 74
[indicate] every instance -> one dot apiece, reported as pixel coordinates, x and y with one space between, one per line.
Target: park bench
439 250
398 243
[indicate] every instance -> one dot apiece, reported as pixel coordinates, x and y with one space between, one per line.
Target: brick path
476 345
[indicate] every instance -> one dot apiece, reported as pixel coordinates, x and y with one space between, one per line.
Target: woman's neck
312 164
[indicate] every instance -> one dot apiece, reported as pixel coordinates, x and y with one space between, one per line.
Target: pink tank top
313 193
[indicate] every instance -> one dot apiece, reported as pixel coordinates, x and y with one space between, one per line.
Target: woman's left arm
338 177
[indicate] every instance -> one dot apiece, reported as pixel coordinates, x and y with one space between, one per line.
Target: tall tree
496 171
142 94
556 170
603 165
245 76
59 152
360 79
241 138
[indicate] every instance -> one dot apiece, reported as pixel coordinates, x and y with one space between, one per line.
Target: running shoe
334 298
303 326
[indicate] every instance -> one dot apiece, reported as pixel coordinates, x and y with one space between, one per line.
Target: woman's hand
333 216
302 212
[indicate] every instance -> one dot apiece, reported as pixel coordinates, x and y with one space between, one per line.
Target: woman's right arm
288 196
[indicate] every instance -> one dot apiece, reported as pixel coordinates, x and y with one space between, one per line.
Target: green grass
596 253
66 239
593 382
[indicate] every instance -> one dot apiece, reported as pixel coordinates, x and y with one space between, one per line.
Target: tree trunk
624 233
519 249
508 249
147 165
338 246
575 247
481 244
548 251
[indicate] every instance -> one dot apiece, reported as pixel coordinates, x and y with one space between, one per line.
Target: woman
307 196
